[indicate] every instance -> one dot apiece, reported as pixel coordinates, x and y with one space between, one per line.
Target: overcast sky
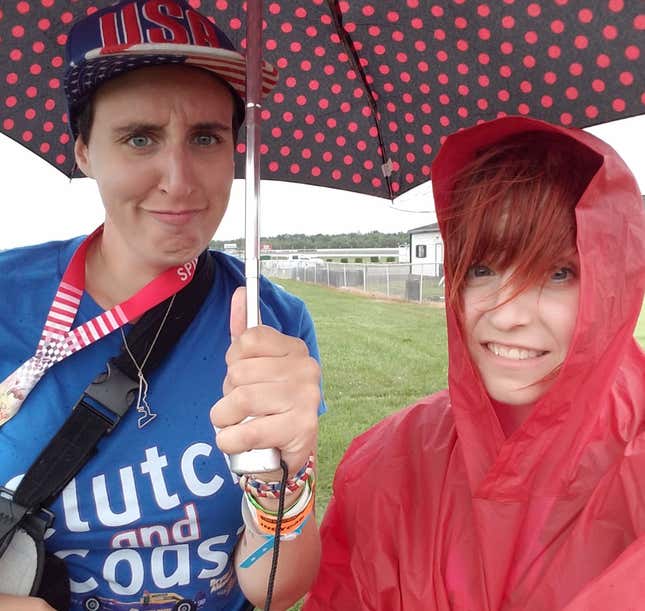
40 204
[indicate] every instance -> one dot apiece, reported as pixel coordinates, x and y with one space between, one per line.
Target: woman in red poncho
521 487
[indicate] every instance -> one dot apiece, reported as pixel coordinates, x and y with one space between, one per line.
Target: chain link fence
411 282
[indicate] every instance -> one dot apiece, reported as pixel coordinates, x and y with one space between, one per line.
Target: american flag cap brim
229 65
102 64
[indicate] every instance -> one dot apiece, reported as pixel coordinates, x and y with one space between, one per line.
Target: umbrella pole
254 461
252 175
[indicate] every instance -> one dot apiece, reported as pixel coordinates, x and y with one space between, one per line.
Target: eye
139 141
480 271
206 139
562 274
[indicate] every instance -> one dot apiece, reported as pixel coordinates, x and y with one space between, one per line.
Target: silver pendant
147 415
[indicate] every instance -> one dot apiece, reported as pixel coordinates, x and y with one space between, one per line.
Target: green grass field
378 356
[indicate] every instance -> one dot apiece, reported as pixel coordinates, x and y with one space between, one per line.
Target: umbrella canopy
368 89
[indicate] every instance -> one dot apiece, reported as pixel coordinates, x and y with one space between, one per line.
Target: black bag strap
110 395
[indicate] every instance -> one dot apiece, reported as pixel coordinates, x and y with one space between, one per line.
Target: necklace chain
147 415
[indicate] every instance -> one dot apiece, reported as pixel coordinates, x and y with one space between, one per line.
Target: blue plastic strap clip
110 395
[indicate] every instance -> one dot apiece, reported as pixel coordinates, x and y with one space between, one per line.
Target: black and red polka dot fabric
417 71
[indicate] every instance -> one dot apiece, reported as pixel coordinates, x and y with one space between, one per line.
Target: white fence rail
393 280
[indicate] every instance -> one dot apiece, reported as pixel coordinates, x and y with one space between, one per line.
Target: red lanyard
58 340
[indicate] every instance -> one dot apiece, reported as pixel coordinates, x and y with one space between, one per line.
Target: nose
177 174
511 309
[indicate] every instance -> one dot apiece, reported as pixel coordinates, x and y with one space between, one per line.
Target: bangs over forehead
513 206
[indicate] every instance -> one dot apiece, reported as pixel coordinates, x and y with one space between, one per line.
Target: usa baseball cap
135 34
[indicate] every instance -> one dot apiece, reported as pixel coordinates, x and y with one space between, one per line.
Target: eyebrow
138 126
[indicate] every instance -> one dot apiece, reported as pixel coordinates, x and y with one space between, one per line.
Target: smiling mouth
178 217
174 212
512 352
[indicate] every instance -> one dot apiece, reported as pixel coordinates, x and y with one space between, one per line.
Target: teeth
517 354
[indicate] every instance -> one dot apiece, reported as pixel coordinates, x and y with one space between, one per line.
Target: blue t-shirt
152 519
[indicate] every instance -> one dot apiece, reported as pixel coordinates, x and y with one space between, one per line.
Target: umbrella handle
255 461
267 459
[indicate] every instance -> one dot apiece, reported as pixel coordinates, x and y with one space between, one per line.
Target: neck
110 279
511 417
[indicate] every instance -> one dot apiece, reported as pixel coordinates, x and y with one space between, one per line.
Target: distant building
404 253
426 250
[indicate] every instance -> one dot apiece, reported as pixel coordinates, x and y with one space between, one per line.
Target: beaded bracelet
259 488
264 522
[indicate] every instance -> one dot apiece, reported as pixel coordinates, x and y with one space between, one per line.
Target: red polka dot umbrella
368 89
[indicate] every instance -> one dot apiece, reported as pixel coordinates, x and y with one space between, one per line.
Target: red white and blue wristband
261 489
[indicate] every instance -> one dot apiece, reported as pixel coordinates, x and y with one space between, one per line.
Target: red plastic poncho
434 508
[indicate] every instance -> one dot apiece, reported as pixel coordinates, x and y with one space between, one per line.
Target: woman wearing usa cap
521 486
155 94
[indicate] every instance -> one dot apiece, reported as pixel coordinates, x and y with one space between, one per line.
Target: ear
81 154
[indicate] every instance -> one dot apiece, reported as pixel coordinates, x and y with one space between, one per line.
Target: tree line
300 241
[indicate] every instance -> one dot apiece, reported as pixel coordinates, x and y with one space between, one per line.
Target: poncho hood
580 405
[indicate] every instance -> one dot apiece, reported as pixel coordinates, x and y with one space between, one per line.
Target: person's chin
173 254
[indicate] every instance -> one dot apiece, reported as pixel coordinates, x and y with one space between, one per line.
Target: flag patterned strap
259 488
